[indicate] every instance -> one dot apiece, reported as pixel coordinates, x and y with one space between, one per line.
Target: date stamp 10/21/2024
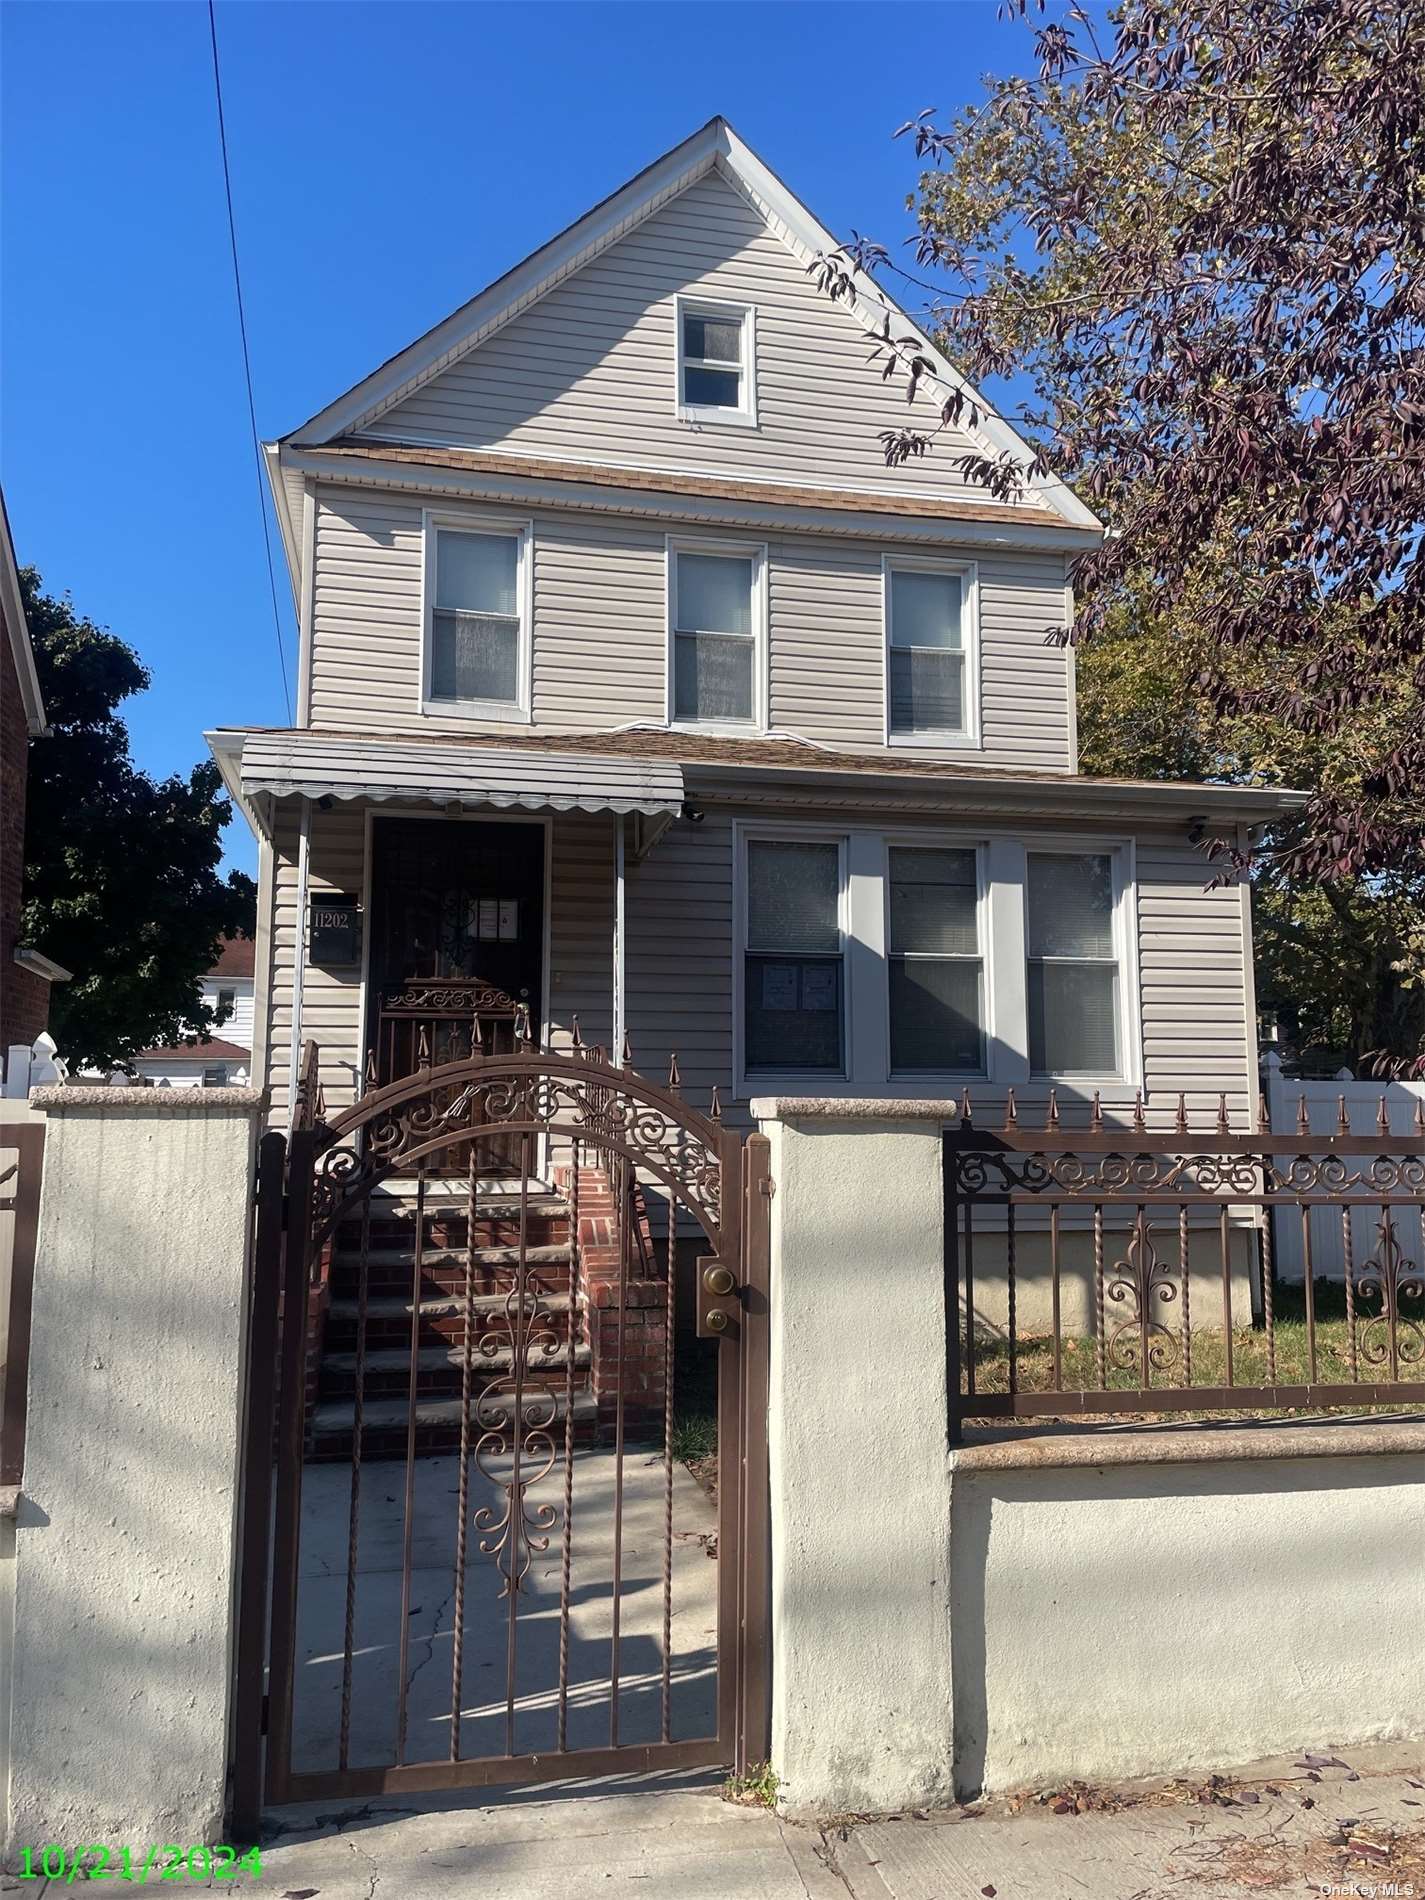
137 1865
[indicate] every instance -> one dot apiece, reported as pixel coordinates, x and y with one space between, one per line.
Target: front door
457 935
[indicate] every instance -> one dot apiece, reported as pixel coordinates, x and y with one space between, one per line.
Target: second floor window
476 631
226 1000
929 681
715 604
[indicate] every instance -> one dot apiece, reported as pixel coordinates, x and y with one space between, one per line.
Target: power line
247 366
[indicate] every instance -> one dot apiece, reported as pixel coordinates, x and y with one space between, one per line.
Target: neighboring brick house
25 974
220 1059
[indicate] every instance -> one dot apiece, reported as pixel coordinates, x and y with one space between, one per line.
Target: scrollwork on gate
1391 1279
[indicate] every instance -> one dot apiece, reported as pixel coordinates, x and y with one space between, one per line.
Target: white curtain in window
792 896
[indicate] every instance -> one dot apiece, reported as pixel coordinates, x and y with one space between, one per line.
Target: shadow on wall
1148 1619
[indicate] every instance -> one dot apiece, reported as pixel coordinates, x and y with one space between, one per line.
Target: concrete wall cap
59 1097
854 1108
1184 1444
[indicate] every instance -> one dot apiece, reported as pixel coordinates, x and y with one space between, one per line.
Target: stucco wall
1141 1619
124 1538
860 1516
1040 1606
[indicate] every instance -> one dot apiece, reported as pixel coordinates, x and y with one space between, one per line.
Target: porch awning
309 764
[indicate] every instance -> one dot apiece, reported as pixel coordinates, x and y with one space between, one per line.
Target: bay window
794 956
1073 975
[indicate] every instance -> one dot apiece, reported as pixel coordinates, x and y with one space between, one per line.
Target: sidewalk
1311 1825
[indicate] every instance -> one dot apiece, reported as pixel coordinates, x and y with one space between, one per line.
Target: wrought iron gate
531 1543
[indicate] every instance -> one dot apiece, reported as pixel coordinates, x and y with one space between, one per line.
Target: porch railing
1093 1271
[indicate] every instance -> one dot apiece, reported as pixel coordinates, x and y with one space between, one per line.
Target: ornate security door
497 1555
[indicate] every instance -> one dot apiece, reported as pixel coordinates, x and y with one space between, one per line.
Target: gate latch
719 1301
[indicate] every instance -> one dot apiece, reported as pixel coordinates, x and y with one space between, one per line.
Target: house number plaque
334 933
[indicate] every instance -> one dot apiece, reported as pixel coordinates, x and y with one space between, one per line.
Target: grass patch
1253 1364
756 1789
694 1436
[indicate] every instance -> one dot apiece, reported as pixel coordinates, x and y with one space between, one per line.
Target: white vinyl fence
1404 1102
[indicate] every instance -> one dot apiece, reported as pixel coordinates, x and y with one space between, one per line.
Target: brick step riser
542 1230
390 1335
434 1383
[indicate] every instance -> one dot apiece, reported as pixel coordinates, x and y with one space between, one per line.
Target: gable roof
716 147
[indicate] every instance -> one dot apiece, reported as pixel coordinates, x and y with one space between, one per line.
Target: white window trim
1002 914
765 1081
941 841
743 314
968 573
473 521
673 546
1123 857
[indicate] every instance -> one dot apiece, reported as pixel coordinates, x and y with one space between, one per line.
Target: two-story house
636 688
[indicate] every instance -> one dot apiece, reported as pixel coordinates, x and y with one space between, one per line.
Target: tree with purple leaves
1192 249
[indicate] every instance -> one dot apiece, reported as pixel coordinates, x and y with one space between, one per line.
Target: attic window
716 366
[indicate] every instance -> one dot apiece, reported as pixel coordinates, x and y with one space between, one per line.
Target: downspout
620 1021
299 972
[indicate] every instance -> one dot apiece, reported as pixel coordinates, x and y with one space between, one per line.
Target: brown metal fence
1094 1271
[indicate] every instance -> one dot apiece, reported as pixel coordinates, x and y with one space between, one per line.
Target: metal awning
314 764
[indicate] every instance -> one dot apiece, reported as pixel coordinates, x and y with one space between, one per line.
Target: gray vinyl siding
1194 990
600 632
1198 1031
589 372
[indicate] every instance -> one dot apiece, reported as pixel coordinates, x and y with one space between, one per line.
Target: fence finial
1182 1121
423 1048
477 1037
1264 1114
1140 1120
370 1077
625 1054
1011 1110
1303 1119
1343 1119
675 1081
576 1041
716 1110
1051 1120
967 1113
1420 1114
1096 1113
1224 1126
1383 1115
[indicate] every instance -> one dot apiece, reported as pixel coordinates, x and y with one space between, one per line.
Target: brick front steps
437 1304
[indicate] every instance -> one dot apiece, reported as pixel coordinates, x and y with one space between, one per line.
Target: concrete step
446 1256
384 1425
439 1358
436 1306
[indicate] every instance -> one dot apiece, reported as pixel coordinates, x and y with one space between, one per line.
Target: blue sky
388 160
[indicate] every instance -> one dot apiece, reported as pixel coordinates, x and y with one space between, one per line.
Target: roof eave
12 603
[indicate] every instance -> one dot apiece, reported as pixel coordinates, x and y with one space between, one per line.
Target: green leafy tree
122 881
